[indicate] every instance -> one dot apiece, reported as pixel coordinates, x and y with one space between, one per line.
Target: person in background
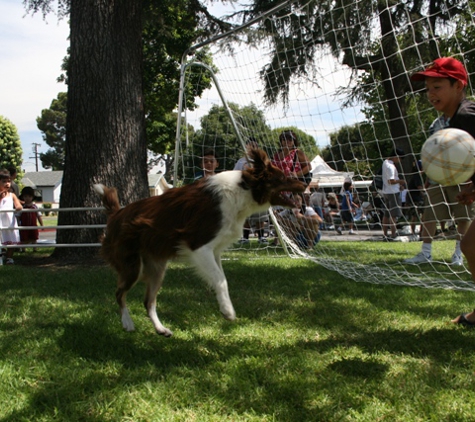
301 223
360 211
14 187
446 81
209 164
29 219
242 163
347 208
415 196
317 201
332 210
392 186
403 199
291 160
10 202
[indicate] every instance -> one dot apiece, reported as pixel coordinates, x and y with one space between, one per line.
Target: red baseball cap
445 67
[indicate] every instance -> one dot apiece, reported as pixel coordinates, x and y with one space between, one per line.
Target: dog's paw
230 315
128 327
127 322
165 332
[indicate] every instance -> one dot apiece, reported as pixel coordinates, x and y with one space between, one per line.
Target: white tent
326 177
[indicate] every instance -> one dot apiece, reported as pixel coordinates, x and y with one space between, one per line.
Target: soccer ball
448 157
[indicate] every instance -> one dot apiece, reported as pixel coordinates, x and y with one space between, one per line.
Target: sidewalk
376 235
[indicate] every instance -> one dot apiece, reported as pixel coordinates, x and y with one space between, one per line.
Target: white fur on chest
236 205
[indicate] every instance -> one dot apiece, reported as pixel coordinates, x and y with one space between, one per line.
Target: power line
36 154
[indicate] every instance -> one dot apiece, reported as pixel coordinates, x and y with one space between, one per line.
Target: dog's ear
259 159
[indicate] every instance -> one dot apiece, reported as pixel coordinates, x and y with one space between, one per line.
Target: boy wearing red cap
446 80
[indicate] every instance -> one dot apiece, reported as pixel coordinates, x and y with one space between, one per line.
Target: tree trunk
105 130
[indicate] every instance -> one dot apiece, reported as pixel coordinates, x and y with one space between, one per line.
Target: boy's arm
39 217
348 201
304 163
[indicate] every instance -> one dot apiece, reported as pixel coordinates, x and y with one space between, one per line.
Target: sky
31 54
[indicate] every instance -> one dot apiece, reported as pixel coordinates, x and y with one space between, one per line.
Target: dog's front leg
208 266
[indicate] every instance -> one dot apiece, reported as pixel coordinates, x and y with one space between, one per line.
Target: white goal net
338 75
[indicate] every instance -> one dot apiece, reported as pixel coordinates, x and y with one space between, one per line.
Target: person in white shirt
392 186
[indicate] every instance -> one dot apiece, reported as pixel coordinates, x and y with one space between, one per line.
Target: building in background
47 185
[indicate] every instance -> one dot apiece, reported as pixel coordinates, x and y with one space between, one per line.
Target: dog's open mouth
289 197
284 199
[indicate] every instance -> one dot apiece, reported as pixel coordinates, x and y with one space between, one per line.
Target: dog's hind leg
208 265
153 274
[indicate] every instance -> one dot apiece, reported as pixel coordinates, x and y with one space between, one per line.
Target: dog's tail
110 199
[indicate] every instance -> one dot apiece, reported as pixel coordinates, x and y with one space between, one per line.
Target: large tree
105 127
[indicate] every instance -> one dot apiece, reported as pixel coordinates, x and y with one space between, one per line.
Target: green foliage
411 34
360 148
170 28
348 28
217 133
10 145
308 345
47 205
351 149
52 123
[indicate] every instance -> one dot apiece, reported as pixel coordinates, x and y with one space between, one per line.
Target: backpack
378 180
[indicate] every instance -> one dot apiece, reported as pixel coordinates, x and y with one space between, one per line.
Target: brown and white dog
197 221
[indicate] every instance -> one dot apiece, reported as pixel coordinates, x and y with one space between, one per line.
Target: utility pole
36 154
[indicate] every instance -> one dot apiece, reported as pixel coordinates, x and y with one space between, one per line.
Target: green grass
51 220
308 345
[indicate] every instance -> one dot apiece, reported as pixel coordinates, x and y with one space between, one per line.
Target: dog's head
268 183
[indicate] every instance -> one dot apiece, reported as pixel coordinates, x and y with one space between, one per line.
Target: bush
49 206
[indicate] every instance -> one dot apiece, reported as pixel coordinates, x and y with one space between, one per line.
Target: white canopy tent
326 177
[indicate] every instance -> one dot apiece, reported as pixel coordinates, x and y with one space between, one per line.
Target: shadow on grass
73 323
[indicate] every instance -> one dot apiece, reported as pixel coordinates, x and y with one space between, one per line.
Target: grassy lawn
308 345
51 220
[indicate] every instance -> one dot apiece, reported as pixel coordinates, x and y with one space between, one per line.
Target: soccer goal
338 75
